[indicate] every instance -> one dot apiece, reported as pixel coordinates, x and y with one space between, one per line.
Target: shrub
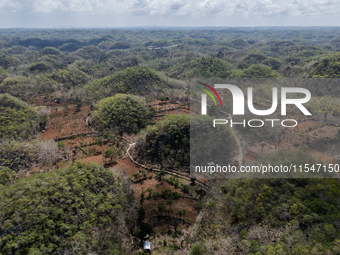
17 118
166 142
73 210
197 249
121 113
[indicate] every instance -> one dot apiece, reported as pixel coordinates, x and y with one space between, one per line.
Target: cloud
176 9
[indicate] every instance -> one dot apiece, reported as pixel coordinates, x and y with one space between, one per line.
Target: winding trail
240 157
175 173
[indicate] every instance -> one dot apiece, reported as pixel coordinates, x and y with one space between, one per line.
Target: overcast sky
122 13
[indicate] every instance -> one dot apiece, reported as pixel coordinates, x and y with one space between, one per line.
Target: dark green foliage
39 67
140 214
50 51
278 202
144 229
238 43
272 63
92 53
168 194
166 142
197 249
9 61
3 75
18 156
17 118
133 80
210 144
120 46
22 156
69 47
252 58
121 113
77 210
302 215
38 43
201 67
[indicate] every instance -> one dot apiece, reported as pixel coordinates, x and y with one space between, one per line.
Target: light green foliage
324 106
76 210
7 176
85 211
328 67
259 71
16 86
17 118
121 113
133 80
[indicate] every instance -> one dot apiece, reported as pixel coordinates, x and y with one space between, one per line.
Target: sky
127 13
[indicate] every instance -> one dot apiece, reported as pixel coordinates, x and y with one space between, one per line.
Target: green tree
69 210
197 249
121 113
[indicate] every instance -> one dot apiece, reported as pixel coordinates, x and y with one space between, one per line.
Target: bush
17 118
259 71
75 210
133 80
20 156
197 249
7 176
121 113
166 142
328 67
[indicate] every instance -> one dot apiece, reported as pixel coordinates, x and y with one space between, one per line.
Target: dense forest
95 143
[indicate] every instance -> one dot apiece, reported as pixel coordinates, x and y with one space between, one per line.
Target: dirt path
185 176
240 157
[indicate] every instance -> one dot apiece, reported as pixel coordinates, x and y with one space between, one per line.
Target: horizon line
166 26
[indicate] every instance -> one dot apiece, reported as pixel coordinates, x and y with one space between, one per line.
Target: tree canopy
17 118
165 143
121 113
76 210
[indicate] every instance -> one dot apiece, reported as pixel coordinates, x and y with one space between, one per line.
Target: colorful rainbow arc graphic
213 90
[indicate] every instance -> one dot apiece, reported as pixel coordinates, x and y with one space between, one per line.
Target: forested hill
95 129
